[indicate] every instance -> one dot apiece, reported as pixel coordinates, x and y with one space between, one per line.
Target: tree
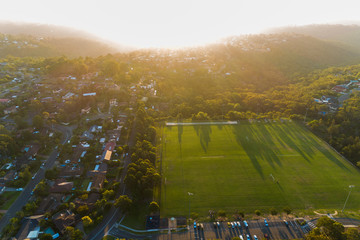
154 207
87 221
52 174
352 234
42 189
330 228
82 210
46 236
108 194
273 211
74 234
38 122
124 203
257 212
287 210
221 213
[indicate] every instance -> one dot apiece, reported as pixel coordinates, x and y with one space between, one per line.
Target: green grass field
228 167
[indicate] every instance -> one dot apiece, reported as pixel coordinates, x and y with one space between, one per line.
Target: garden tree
38 122
45 115
100 204
120 150
20 122
257 212
154 207
74 234
84 196
124 203
46 236
108 194
87 221
25 174
83 210
7 145
52 174
30 208
42 189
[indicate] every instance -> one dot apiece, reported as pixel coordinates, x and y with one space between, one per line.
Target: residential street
26 193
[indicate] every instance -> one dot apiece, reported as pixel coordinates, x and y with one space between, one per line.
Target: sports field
252 166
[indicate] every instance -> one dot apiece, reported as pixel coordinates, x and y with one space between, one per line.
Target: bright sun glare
175 23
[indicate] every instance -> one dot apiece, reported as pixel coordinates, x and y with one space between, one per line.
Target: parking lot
275 230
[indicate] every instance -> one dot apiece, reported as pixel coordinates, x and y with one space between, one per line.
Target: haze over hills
54 40
347 34
277 56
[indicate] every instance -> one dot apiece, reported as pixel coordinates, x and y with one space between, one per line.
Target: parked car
246 224
266 223
241 237
239 224
255 237
248 237
229 224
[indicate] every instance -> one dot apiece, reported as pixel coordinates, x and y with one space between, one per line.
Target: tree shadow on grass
180 132
203 132
285 136
250 146
312 143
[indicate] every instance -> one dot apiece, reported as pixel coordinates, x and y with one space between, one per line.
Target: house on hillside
113 102
339 89
4 100
85 110
10 110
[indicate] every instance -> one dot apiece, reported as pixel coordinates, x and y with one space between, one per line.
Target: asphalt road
26 193
114 213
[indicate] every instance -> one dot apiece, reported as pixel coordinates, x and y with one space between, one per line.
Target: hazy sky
174 23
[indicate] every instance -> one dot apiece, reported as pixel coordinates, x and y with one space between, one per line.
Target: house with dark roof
50 203
64 219
27 225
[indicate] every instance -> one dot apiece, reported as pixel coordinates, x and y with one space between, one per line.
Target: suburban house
64 219
113 102
9 110
85 110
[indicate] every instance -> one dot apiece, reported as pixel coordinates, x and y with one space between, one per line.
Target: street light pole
351 187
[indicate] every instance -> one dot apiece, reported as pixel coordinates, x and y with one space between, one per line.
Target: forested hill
255 62
30 46
288 54
347 34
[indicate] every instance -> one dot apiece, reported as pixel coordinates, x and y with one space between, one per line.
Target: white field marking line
200 123
213 157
